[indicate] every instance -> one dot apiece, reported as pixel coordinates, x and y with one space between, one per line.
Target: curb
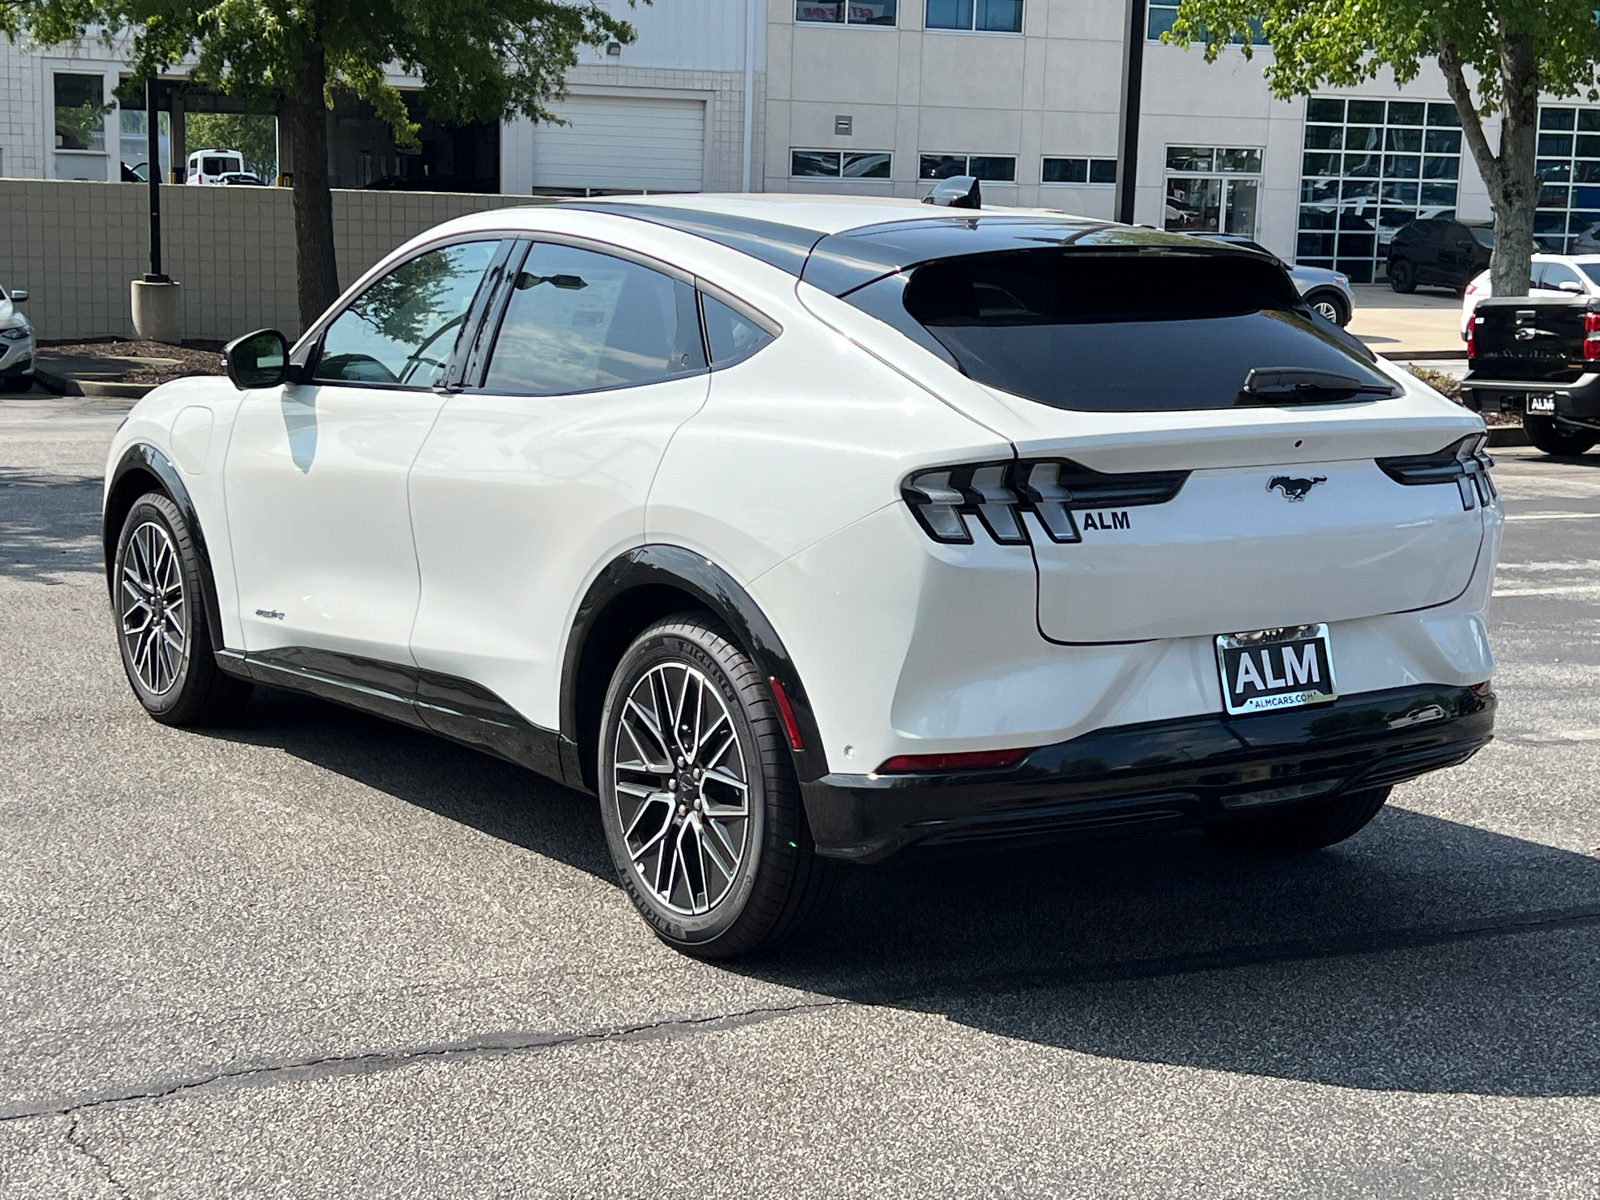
1508 435
1420 355
65 385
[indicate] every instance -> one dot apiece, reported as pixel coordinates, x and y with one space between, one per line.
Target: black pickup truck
1540 359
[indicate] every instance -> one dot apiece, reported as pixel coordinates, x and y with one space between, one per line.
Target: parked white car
16 342
212 167
1329 292
809 528
1554 275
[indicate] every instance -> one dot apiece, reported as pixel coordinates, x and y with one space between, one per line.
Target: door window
1555 274
1212 189
578 321
402 330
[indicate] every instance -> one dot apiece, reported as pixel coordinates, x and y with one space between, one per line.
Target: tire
17 383
1301 828
166 642
1403 276
1331 305
709 881
1555 437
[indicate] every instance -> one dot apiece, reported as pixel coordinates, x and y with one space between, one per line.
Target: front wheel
1332 306
17 383
1403 275
1307 826
162 629
698 795
1555 437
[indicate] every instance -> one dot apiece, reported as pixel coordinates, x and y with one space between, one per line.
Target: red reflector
786 711
971 760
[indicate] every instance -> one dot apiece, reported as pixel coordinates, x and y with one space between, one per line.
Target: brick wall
75 247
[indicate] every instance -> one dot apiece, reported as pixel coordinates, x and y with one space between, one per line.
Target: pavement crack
489 1045
80 1143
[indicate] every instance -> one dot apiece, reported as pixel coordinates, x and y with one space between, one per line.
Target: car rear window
1131 332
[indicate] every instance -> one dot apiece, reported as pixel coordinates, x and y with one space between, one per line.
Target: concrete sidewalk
1427 323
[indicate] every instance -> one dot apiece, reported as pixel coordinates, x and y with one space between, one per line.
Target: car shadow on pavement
49 524
1424 955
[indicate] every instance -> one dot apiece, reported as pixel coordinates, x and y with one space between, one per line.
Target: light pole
153 173
1128 126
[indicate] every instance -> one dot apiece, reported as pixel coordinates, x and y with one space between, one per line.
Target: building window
81 112
1213 189
1569 174
838 164
1369 167
993 168
985 16
1162 17
1087 171
845 12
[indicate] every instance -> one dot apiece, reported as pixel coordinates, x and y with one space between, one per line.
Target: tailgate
1519 338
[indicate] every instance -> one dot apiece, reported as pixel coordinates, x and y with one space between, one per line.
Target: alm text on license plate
1275 668
1541 402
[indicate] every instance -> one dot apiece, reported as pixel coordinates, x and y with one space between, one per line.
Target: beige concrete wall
75 247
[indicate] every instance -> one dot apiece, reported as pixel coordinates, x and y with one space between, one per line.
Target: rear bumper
1164 774
1577 402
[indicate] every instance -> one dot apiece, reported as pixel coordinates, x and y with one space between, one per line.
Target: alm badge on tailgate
1275 668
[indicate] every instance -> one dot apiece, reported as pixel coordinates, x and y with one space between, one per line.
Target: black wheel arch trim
141 457
661 565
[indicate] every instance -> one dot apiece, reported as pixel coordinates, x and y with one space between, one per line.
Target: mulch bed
1439 381
200 358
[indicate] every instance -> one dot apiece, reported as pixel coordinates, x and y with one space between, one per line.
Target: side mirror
1571 285
18 295
257 360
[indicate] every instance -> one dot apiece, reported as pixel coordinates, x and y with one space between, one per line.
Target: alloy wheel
682 788
153 610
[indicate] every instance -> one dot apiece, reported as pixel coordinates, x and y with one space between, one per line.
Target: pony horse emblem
1292 488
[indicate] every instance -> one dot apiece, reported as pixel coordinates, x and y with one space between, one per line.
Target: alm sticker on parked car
1106 520
1275 668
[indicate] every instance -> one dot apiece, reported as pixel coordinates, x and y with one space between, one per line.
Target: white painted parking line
1553 516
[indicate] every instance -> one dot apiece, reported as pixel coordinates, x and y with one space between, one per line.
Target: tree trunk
306 111
1510 176
1518 193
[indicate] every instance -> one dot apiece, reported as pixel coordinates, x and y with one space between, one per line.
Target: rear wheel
1557 437
165 639
698 795
1332 306
1303 827
1403 275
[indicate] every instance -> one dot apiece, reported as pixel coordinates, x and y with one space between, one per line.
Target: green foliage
1341 43
478 59
255 135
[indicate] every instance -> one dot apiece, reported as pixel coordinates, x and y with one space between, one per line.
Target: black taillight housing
1464 463
946 500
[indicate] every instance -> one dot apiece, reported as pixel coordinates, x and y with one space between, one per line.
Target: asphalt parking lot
319 955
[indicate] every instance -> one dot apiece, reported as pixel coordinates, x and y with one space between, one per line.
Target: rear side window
730 335
579 321
1133 332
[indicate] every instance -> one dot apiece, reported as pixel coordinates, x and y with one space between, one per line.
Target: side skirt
454 708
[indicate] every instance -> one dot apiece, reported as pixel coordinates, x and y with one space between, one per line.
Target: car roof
839 243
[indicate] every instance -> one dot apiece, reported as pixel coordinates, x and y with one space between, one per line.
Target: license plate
1275 668
1542 402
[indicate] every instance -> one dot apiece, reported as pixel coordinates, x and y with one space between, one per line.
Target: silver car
16 342
1327 291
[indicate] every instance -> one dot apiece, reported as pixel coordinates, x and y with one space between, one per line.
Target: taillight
1472 326
967 760
1472 289
946 500
1465 463
1591 335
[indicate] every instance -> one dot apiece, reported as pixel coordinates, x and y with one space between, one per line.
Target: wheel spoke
153 612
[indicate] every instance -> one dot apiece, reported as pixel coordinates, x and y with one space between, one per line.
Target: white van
209 166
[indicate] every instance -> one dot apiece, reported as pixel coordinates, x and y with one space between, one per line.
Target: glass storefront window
1399 163
80 112
1213 189
1569 173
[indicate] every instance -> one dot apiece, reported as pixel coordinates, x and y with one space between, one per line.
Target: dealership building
882 97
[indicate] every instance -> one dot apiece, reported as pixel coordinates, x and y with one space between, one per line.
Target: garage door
622 142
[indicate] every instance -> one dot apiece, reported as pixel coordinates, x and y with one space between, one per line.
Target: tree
254 135
479 60
1497 56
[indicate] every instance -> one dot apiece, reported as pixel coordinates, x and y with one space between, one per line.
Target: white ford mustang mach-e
802 529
